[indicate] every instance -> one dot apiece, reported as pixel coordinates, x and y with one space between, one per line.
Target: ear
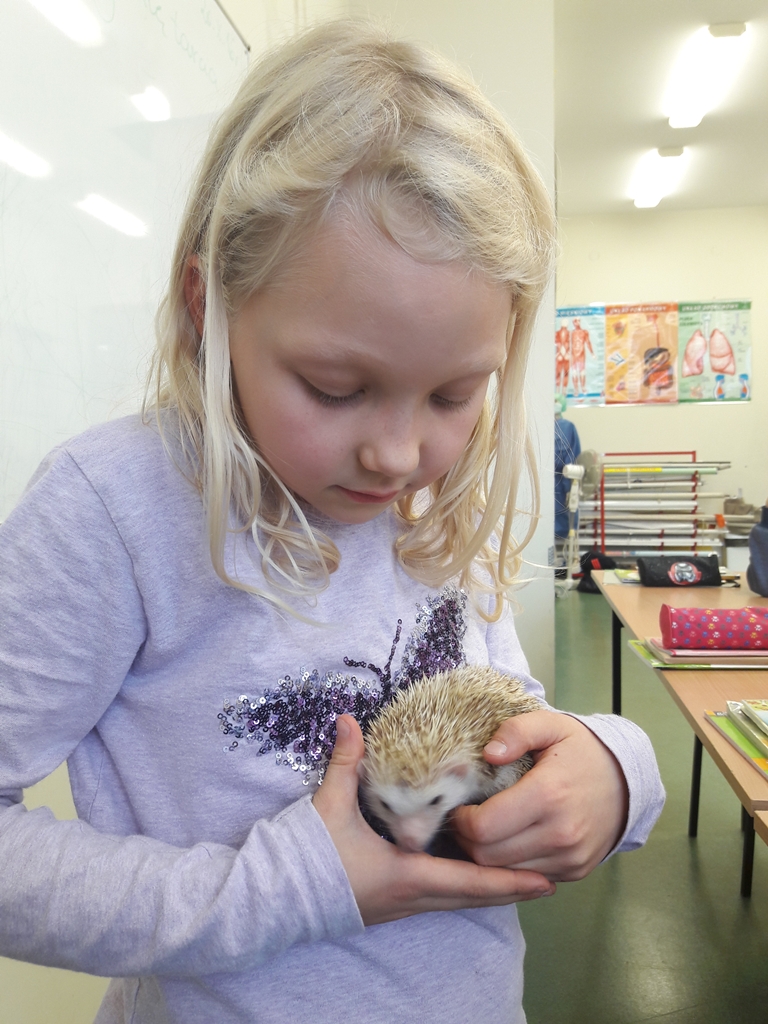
194 293
458 768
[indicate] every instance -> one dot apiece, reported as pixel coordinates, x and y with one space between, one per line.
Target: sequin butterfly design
297 718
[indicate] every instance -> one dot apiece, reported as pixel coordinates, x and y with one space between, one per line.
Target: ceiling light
22 159
73 18
113 215
657 174
152 104
704 72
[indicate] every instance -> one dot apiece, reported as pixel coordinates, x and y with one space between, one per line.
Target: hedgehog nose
410 844
412 836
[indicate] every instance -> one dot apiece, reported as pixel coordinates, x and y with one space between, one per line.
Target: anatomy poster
641 353
715 351
580 354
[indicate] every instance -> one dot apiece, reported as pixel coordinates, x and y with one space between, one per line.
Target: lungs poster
580 354
715 351
641 353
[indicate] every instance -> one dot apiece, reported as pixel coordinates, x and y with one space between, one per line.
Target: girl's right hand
389 883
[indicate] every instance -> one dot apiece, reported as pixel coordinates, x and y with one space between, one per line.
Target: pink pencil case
722 628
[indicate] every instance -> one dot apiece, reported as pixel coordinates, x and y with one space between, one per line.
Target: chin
356 515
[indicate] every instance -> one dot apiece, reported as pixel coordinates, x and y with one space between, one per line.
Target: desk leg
693 816
616 652
748 855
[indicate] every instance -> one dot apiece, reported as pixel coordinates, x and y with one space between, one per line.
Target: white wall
37 995
690 256
508 45
264 23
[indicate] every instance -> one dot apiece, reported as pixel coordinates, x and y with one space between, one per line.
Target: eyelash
331 401
335 401
447 404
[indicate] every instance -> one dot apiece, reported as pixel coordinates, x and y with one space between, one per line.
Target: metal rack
651 503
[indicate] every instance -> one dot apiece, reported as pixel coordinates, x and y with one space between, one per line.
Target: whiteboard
77 298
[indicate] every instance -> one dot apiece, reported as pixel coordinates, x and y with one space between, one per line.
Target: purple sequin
436 643
297 718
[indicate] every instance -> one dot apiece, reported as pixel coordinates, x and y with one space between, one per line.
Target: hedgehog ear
458 768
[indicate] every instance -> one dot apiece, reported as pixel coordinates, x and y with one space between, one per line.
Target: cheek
287 428
449 442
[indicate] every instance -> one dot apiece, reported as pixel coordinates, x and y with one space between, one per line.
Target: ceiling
612 58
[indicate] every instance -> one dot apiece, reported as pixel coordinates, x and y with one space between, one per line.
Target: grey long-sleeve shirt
199 874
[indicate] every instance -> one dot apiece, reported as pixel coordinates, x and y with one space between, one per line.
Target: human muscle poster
580 354
641 353
715 351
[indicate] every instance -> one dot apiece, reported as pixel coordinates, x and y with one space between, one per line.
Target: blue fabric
567 449
757 570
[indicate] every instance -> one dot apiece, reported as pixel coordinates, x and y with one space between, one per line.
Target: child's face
361 372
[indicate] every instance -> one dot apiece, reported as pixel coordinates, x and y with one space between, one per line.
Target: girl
305 516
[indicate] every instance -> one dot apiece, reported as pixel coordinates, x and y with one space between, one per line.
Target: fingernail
549 892
495 748
342 729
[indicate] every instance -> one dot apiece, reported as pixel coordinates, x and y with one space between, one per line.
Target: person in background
757 570
567 449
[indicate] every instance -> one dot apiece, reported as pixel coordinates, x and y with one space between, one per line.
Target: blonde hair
342 116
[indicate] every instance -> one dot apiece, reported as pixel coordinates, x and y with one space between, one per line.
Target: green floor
660 934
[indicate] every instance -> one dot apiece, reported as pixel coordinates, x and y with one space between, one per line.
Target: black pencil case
679 571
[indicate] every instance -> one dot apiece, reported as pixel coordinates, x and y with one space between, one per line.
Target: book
747 726
710 655
627 575
726 728
757 710
644 652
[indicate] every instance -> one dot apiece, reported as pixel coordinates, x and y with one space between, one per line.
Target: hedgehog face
424 751
413 814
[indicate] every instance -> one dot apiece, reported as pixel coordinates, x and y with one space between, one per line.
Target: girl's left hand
564 816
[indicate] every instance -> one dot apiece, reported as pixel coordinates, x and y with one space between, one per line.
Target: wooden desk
637 609
761 825
694 692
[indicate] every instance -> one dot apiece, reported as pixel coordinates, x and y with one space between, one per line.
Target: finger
529 850
341 777
452 879
510 813
556 864
534 730
448 885
349 747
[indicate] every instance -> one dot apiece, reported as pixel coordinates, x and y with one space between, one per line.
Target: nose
392 447
412 836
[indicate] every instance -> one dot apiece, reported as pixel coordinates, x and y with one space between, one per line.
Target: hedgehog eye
433 803
386 806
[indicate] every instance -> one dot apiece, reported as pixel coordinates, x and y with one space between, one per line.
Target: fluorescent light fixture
73 18
704 71
657 174
152 104
22 159
113 215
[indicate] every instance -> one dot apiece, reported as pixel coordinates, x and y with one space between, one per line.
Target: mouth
369 497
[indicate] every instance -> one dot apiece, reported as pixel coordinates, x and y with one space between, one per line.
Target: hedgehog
424 750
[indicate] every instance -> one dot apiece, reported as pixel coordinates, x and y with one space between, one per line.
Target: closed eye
449 405
435 802
386 806
331 401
